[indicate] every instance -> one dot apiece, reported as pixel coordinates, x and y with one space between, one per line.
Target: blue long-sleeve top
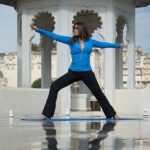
80 57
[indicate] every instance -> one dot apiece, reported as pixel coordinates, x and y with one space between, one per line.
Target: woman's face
76 30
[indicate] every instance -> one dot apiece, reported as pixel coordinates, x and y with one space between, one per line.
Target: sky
8 29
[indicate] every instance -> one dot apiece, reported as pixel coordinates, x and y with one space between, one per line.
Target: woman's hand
123 45
33 27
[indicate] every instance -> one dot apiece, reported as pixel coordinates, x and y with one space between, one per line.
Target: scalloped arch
120 23
44 20
89 17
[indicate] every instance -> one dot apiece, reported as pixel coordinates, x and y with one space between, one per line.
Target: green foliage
1 75
35 47
37 83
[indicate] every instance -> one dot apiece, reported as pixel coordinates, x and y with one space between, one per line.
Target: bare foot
42 117
116 117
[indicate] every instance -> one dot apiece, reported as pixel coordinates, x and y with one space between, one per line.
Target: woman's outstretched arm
105 44
60 38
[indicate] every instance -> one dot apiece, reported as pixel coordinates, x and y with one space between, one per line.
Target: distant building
8 68
142 68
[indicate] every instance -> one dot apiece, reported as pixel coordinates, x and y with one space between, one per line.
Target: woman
80 69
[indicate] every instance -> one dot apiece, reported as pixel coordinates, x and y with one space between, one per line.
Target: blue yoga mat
76 119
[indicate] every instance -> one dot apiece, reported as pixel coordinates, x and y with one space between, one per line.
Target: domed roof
141 3
138 3
9 2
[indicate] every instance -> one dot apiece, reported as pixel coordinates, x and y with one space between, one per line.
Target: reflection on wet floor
50 133
77 135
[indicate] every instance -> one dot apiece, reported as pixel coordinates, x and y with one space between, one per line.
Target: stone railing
80 102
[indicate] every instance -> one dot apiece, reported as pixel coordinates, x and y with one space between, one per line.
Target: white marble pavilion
58 16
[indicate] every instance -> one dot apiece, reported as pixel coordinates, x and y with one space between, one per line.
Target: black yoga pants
88 77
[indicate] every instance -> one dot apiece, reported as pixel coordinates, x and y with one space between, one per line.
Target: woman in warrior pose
80 69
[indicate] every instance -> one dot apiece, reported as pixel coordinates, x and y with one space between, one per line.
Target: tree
1 75
37 83
35 47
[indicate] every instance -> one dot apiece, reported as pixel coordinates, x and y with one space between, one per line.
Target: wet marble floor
16 134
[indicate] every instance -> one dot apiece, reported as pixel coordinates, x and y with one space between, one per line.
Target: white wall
132 101
24 101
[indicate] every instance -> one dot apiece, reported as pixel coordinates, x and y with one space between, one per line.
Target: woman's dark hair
83 32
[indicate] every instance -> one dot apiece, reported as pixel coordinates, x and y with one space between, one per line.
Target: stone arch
85 16
45 20
120 24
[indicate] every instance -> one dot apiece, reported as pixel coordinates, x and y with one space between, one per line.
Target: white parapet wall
132 101
24 101
29 101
